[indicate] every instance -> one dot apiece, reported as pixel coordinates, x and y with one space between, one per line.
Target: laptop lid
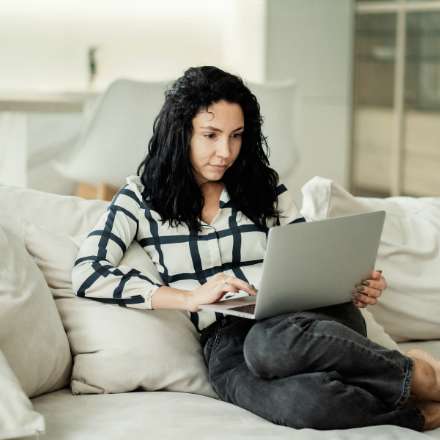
317 264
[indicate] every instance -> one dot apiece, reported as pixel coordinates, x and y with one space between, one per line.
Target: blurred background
349 90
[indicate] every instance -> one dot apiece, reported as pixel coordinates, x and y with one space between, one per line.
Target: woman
201 207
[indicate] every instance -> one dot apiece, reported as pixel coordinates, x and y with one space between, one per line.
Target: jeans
312 369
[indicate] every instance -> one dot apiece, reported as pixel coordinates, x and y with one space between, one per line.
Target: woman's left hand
369 290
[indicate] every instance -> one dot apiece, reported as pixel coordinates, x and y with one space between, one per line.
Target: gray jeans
313 369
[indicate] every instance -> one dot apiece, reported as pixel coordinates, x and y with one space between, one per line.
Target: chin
213 179
214 175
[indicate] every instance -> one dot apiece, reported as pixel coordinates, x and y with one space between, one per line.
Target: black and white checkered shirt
232 244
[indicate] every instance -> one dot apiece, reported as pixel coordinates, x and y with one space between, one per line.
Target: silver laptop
310 265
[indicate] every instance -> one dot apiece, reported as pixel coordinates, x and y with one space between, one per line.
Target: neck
209 188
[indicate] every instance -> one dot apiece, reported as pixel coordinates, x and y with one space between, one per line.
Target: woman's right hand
214 289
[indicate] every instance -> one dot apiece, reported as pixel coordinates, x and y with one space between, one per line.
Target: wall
311 41
244 38
44 48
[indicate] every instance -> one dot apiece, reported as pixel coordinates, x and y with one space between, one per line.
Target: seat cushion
432 347
169 416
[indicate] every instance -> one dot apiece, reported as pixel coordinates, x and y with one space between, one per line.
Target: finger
380 285
223 295
243 285
226 286
369 291
227 290
376 274
368 300
236 282
366 292
365 299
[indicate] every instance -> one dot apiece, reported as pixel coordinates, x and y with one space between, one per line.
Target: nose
224 148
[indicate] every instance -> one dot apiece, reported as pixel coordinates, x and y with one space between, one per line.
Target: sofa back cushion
32 336
118 349
409 255
115 349
64 214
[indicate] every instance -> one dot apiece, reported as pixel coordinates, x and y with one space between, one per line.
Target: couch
77 369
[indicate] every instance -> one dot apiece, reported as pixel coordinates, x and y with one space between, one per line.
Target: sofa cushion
31 332
118 349
64 214
376 332
170 416
409 255
17 417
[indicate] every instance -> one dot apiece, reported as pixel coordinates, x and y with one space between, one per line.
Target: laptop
310 265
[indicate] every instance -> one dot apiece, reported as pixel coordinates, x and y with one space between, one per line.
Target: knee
252 352
270 344
257 351
336 328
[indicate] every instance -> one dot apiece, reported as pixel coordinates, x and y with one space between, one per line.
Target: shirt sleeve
289 213
97 274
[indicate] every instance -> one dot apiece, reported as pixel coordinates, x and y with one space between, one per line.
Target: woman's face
216 140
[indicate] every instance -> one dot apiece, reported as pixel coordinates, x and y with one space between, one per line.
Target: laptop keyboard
250 308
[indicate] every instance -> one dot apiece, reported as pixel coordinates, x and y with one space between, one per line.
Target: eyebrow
217 129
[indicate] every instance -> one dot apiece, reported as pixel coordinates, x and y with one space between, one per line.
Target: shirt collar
224 198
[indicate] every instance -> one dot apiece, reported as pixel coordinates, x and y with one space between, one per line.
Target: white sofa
99 371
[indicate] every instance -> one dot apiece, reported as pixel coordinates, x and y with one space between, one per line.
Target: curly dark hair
167 176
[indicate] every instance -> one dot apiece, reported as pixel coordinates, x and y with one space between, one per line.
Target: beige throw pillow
118 349
409 255
31 332
17 417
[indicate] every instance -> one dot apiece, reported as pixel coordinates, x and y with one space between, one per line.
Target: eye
209 135
238 134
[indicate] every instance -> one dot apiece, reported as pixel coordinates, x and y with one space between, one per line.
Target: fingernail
380 271
366 283
361 289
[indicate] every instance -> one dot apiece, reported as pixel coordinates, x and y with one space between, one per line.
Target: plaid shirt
232 244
